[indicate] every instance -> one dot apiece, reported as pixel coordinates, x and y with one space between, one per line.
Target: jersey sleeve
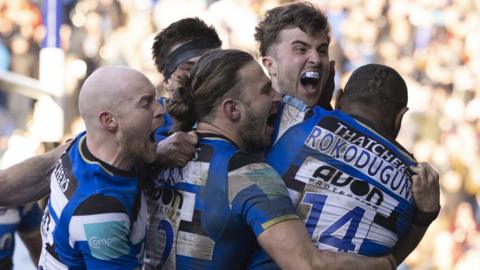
100 229
259 196
31 216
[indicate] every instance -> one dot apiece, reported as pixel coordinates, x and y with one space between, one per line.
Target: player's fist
426 188
177 149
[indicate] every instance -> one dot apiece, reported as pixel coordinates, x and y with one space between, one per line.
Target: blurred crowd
434 44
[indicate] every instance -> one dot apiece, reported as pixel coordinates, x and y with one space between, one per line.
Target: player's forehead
141 91
289 35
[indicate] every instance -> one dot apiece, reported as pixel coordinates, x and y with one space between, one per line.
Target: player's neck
370 117
216 128
109 152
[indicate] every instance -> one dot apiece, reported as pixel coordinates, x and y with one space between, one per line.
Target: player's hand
426 187
177 149
327 93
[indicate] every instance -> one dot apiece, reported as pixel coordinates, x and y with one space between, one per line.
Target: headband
187 51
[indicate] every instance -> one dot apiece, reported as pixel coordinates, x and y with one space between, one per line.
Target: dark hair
379 87
180 31
305 16
215 75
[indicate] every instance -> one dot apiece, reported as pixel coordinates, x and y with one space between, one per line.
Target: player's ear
107 120
231 109
268 63
398 120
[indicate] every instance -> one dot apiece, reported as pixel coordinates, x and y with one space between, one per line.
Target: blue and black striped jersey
208 214
351 185
95 217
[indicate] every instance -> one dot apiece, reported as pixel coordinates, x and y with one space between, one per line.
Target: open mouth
310 80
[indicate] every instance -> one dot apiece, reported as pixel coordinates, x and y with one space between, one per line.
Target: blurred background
47 48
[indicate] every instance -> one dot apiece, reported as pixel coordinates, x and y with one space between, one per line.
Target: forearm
334 260
27 181
426 192
290 238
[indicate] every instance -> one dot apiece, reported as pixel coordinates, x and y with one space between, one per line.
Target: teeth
310 77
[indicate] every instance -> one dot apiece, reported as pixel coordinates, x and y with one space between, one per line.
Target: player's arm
290 247
267 208
426 191
29 230
28 180
176 150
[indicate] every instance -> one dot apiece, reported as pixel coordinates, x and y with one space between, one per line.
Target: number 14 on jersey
329 224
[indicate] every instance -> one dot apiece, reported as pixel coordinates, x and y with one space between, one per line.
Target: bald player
96 215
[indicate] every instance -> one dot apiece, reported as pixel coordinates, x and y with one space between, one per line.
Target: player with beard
224 203
96 214
294 43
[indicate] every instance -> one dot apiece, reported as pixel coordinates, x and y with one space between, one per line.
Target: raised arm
426 191
28 180
290 247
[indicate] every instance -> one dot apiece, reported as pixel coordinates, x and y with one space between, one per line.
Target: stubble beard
254 139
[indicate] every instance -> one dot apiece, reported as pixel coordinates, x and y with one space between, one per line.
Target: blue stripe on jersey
216 190
187 187
52 213
190 188
373 249
189 263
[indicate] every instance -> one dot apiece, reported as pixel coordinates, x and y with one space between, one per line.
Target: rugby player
96 214
221 203
294 42
175 49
